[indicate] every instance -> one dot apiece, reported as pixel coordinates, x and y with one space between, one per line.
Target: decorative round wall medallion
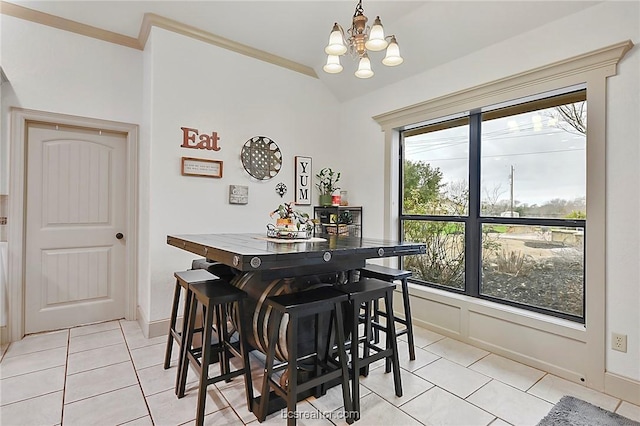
281 189
261 157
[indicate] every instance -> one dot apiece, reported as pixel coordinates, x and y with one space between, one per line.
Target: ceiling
429 33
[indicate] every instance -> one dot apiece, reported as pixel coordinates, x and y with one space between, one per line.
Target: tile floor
109 374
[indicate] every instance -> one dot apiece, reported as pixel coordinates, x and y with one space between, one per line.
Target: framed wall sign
201 167
303 181
238 194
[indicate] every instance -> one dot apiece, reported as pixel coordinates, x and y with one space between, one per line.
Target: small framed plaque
201 167
238 194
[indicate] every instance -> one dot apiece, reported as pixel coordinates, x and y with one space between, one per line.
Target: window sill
514 315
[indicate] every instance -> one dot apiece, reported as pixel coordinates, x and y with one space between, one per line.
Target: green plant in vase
287 217
327 185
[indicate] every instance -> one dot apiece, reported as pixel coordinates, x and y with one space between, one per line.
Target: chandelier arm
345 40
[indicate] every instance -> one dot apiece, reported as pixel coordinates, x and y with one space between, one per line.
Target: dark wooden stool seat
364 293
183 280
299 305
216 268
391 274
215 297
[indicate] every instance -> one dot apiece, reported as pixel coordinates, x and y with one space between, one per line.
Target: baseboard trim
505 352
151 329
159 328
622 387
4 335
614 385
142 322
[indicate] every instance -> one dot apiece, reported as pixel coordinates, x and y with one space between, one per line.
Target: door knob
119 235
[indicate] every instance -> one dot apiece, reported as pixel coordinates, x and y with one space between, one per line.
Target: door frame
20 119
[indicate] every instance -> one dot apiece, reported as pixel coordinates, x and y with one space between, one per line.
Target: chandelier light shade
393 57
336 44
376 40
359 41
364 67
333 64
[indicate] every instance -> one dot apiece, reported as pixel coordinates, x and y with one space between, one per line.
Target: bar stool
364 293
392 275
314 302
183 280
216 297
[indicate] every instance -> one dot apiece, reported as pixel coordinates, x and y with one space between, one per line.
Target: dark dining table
265 266
286 258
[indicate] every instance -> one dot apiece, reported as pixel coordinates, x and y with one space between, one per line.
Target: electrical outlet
619 342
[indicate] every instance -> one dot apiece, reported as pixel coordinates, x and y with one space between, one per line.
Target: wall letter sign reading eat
303 181
209 142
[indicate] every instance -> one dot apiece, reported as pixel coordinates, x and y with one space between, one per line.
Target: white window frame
551 344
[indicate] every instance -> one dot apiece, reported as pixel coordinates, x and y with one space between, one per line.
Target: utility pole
511 185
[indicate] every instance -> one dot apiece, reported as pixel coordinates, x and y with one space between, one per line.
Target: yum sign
204 141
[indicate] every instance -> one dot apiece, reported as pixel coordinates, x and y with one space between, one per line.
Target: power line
444 142
512 155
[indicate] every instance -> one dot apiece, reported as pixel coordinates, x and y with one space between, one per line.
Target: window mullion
472 228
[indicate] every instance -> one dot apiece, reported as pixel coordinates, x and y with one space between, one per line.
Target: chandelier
361 39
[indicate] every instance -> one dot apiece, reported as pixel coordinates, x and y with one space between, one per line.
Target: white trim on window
491 326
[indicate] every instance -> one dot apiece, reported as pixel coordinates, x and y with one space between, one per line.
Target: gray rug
570 411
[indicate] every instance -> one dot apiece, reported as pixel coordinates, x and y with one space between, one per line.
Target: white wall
599 26
192 84
58 71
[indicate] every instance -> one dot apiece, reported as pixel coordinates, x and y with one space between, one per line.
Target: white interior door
74 261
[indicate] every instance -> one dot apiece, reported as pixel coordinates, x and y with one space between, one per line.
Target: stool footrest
317 381
196 355
285 364
221 377
310 383
378 326
378 356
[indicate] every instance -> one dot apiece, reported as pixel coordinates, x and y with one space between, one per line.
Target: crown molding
53 21
153 20
605 58
150 20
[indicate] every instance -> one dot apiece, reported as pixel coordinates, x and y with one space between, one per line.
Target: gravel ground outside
534 270
538 272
